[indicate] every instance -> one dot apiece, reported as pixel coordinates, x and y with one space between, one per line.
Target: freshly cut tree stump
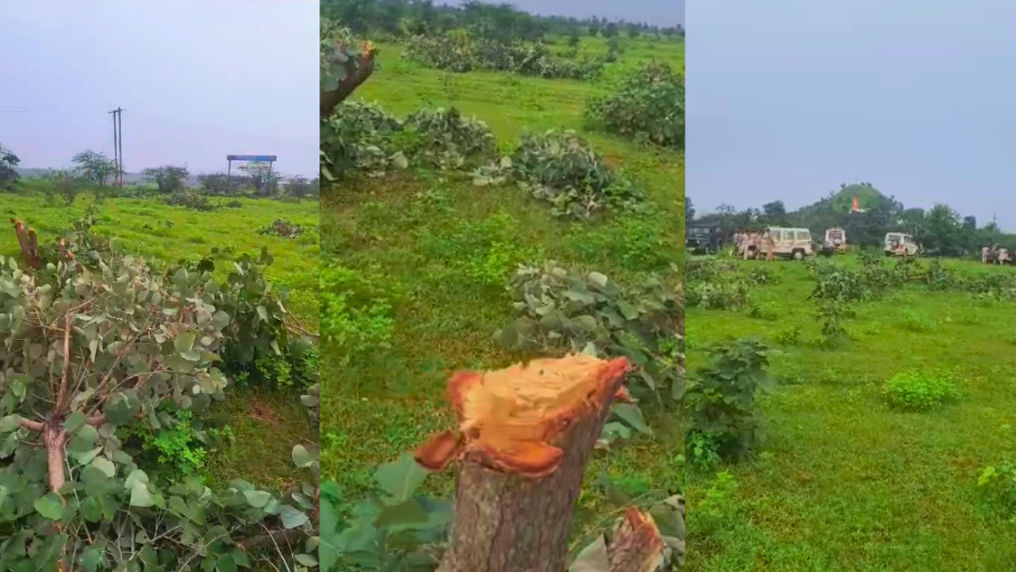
29 244
363 68
524 438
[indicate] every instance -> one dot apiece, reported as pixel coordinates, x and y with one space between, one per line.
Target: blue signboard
259 158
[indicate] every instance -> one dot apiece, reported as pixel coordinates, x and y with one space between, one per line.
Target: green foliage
724 416
638 241
145 354
919 391
830 315
339 57
718 506
398 529
999 485
355 311
191 199
357 137
562 168
462 53
169 178
444 138
8 175
562 309
178 449
647 105
715 284
95 166
284 228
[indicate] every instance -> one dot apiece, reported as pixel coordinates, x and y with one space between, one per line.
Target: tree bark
514 498
637 545
55 439
331 99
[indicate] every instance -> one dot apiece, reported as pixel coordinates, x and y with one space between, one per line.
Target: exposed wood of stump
29 244
525 436
637 545
364 67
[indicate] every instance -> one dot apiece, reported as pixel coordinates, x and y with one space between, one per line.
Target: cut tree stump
524 439
363 69
29 244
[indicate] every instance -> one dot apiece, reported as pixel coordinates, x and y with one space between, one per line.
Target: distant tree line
95 169
494 21
940 230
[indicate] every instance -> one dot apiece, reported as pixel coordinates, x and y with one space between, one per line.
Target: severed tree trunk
637 545
525 437
364 67
29 244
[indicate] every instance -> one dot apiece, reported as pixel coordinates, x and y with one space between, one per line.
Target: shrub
8 173
191 199
571 311
999 484
563 169
357 136
283 228
916 391
144 346
461 53
443 137
721 399
647 106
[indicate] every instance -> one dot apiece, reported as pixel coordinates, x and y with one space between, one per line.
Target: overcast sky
789 98
197 81
660 12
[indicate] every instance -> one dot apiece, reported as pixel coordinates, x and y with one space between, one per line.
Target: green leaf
49 506
74 421
302 457
184 342
257 499
405 513
105 465
93 559
9 423
140 495
400 478
292 517
307 560
632 415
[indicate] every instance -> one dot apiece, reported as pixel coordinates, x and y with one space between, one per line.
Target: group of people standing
995 255
748 243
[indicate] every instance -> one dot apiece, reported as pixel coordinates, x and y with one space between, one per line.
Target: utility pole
118 144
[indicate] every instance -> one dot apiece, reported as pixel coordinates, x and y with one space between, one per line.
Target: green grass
847 482
440 251
155 230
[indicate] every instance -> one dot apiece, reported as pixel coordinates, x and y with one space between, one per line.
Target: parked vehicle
900 244
787 243
835 241
702 239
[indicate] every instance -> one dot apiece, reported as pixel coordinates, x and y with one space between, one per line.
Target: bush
443 137
571 311
357 136
146 346
721 400
646 106
999 484
563 169
916 391
460 53
191 199
283 228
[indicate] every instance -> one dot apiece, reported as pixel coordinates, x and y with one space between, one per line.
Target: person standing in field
770 240
984 254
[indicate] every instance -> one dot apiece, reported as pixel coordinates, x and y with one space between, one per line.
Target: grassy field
432 254
156 230
845 482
